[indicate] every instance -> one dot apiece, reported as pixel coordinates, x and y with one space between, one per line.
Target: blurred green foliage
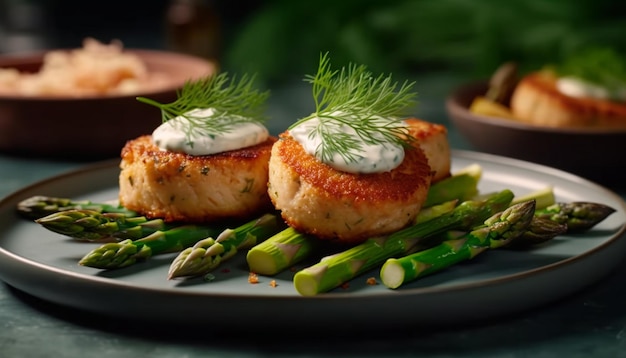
283 38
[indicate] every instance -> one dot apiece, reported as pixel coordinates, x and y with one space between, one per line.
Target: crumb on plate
372 281
253 278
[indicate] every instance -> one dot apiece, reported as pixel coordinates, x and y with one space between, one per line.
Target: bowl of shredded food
82 103
561 116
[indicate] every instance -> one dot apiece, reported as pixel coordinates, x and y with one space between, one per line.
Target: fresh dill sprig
233 101
372 106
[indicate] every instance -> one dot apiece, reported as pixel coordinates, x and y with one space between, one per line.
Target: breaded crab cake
181 187
317 199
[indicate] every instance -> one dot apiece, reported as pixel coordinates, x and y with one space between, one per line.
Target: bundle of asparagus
332 271
427 252
520 225
137 238
497 231
456 224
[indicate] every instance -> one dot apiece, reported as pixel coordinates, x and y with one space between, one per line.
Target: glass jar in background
193 27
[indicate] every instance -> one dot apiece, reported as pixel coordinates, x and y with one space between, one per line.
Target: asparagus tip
114 255
197 260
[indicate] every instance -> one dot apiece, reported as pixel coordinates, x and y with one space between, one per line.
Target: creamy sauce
578 88
371 158
172 136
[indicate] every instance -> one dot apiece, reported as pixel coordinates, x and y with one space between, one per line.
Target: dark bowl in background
88 128
596 154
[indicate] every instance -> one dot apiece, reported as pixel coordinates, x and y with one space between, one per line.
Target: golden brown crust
315 198
537 100
399 183
433 139
182 187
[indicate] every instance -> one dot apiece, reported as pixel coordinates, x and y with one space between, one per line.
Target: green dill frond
232 100
372 106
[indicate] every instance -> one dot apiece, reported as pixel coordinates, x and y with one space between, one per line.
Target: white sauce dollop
575 87
172 136
373 158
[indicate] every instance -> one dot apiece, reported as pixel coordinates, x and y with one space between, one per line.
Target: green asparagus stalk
578 216
209 253
499 230
462 186
289 247
125 253
334 270
435 211
281 251
543 197
39 206
553 220
92 225
539 231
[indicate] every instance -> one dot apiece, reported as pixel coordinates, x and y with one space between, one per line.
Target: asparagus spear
334 270
539 231
208 253
463 185
39 206
281 251
435 211
128 252
499 230
289 246
578 216
561 218
92 225
547 223
543 197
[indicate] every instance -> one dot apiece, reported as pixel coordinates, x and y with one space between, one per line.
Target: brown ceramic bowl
88 128
597 154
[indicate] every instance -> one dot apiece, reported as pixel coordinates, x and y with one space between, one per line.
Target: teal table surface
590 323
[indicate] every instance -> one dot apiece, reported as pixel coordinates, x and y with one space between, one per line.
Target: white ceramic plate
495 283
